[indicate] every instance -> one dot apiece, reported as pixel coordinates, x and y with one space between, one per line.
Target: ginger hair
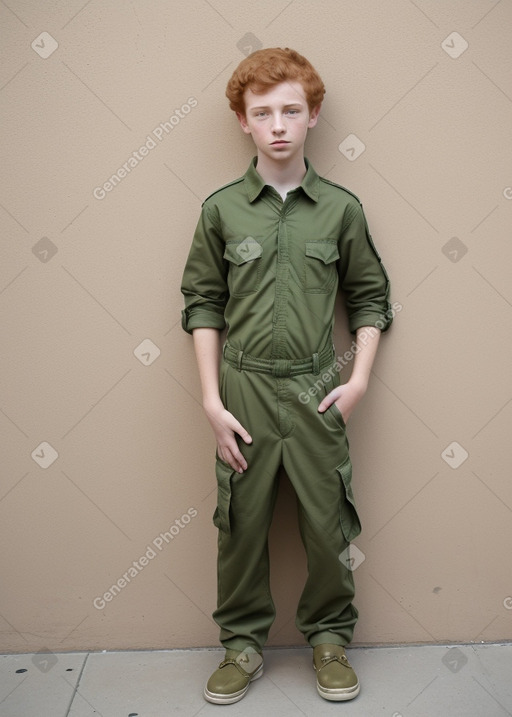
263 69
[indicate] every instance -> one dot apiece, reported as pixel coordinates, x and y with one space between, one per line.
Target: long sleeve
204 283
363 278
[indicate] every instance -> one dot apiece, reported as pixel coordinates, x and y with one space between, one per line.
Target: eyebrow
266 107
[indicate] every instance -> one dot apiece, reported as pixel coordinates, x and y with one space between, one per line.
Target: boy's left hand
346 397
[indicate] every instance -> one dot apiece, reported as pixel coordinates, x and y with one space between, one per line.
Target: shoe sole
219 699
339 695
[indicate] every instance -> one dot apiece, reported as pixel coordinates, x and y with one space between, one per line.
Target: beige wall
86 281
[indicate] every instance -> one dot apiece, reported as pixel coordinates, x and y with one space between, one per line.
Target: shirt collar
255 184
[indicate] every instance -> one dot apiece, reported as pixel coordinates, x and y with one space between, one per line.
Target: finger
230 460
242 463
234 458
245 436
325 403
331 397
239 463
238 428
241 466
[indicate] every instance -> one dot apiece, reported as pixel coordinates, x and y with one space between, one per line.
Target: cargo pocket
350 523
224 472
320 266
244 257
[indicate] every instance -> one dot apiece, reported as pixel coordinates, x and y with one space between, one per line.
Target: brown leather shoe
335 678
231 680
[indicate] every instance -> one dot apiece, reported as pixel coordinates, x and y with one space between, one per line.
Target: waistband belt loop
280 368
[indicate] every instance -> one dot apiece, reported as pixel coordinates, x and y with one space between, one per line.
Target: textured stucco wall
96 365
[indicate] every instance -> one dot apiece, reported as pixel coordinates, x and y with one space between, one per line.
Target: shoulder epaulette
225 186
339 186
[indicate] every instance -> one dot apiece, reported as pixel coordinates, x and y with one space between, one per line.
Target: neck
283 176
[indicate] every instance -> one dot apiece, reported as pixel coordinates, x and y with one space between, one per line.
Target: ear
313 116
243 122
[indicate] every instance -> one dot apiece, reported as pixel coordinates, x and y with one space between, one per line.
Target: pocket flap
326 251
240 252
345 471
221 518
350 523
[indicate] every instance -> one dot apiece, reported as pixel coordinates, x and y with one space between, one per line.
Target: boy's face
278 120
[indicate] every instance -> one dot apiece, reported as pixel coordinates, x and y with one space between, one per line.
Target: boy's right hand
225 426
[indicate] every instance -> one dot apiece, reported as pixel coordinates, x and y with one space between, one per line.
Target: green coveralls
269 270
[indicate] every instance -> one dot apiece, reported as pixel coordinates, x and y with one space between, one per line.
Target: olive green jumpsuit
269 271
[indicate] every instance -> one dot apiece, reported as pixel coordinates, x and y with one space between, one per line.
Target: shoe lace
342 659
236 663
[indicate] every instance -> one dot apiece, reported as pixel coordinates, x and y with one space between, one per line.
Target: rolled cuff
370 318
201 319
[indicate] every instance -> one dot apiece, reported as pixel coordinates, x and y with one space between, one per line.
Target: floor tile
411 681
38 685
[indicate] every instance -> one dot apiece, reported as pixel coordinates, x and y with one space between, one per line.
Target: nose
277 123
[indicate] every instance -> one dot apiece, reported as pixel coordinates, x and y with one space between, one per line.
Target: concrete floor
423 681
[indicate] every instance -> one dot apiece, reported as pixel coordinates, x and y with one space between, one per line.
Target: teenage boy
269 252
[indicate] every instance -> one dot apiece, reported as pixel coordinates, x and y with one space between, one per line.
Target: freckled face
278 120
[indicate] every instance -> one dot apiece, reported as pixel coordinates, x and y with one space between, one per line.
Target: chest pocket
319 272
244 272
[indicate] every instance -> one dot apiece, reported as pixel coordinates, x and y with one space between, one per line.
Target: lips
280 141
